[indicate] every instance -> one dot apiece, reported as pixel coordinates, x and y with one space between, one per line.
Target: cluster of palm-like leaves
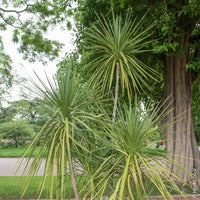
136 167
123 150
114 42
68 104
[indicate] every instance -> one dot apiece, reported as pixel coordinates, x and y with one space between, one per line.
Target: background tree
5 70
30 21
179 24
21 109
177 55
32 112
17 131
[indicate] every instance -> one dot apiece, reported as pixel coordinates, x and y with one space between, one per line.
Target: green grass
12 187
18 152
15 152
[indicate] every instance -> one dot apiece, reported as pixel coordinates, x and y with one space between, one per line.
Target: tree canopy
16 131
29 21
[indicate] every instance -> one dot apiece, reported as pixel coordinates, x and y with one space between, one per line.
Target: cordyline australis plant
113 47
68 104
134 164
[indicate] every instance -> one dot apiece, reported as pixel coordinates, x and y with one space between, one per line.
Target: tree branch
8 22
15 11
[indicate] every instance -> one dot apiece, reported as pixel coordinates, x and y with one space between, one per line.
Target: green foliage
5 115
136 166
118 41
68 104
100 148
31 21
35 46
70 59
68 134
103 150
30 110
17 131
5 70
88 162
196 108
173 20
22 109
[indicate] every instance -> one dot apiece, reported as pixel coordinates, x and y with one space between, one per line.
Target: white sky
24 68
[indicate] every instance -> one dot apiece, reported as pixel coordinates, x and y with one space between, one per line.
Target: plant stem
116 91
114 110
71 171
73 181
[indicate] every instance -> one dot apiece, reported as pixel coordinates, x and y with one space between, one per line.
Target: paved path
8 167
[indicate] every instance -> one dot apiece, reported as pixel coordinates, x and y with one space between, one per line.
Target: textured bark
180 137
114 113
116 91
74 185
72 177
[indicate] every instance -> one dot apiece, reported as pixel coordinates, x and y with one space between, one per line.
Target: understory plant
136 167
77 137
68 104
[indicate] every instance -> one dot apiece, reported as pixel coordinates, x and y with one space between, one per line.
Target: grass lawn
15 152
18 152
11 188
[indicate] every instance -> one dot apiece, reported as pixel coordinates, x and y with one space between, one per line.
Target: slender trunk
73 181
180 137
116 91
114 112
72 176
71 171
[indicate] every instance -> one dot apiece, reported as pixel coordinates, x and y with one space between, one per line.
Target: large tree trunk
180 137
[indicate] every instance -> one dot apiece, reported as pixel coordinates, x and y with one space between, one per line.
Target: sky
24 69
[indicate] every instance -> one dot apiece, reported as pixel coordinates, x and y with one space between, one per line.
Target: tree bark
180 140
116 91
71 173
73 181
